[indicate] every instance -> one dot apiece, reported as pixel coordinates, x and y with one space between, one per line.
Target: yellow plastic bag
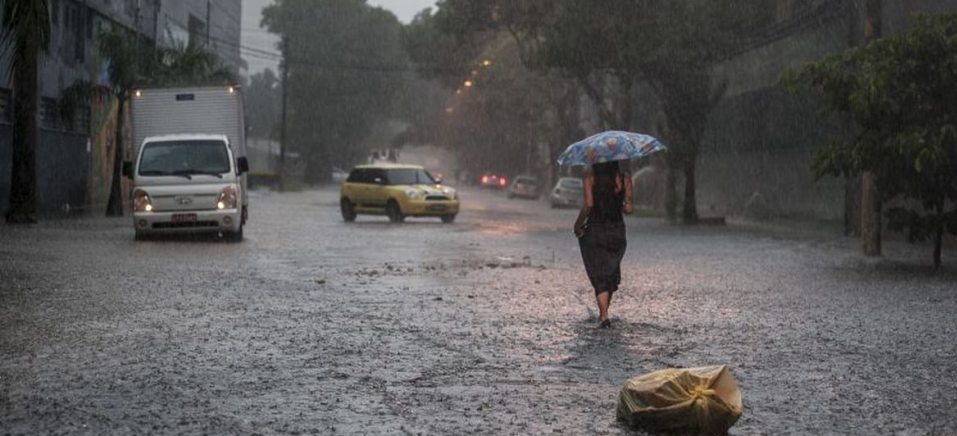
703 400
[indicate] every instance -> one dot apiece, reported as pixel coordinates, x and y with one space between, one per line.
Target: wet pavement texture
485 326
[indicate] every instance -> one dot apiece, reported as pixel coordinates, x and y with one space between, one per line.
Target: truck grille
194 224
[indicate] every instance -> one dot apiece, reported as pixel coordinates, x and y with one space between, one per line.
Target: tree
346 68
122 49
899 94
26 26
133 62
263 97
671 46
512 109
186 65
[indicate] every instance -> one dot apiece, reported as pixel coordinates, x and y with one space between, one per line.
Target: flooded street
485 326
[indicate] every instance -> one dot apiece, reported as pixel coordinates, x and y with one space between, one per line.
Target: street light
468 83
486 63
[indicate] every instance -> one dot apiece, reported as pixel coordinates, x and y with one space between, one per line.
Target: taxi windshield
409 176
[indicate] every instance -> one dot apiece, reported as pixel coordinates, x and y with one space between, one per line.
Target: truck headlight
412 194
141 201
227 198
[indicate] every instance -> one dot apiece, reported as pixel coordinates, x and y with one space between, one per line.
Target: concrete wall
62 167
757 151
221 18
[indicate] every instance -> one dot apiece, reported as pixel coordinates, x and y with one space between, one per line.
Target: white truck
190 169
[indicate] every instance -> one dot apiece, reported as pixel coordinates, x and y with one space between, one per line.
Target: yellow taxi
397 191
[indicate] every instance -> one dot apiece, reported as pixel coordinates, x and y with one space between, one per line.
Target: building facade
74 156
756 155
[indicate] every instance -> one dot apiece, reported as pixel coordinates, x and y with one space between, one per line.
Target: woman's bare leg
604 300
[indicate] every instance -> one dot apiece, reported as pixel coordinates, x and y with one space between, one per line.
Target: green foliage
899 94
26 25
439 51
346 69
669 45
26 33
511 111
263 104
187 65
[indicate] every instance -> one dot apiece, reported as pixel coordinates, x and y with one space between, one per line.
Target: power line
228 13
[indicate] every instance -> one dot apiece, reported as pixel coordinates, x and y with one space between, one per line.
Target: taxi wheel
394 212
348 212
448 218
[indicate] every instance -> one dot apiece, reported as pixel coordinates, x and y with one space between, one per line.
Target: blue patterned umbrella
609 146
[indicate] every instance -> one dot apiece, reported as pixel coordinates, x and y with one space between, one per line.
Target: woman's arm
587 205
629 205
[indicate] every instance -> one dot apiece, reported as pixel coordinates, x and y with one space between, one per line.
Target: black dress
603 244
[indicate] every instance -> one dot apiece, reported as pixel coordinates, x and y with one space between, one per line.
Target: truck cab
188 183
189 175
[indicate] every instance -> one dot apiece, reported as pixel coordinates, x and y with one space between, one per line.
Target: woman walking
600 229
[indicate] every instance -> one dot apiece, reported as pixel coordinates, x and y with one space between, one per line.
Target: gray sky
256 40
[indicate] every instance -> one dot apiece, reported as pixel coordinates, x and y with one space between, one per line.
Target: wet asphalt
485 326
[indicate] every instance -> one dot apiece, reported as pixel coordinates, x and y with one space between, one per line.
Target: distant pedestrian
600 229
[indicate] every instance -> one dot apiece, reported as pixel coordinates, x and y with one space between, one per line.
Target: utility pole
284 67
870 197
209 24
157 7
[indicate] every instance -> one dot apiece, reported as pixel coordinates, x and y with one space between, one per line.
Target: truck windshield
184 158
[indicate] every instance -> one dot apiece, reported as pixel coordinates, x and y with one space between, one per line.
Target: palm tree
132 64
26 29
191 65
121 48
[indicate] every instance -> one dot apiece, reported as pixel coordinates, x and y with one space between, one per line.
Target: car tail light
484 179
141 201
502 181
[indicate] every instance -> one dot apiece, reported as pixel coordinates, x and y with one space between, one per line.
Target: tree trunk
26 138
939 233
114 207
689 214
870 216
938 241
671 193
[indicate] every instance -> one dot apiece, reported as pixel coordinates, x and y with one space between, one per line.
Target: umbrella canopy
608 146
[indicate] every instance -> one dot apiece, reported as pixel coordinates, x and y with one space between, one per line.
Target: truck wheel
394 212
236 236
348 211
448 219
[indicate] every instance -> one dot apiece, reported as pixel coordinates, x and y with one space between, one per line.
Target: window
81 119
197 31
49 113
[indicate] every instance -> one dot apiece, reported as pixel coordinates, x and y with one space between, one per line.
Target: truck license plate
184 217
437 207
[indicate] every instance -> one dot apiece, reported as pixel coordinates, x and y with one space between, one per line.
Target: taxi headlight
412 194
227 198
141 201
452 193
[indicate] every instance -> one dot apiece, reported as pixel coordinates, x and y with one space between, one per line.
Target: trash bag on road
703 400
